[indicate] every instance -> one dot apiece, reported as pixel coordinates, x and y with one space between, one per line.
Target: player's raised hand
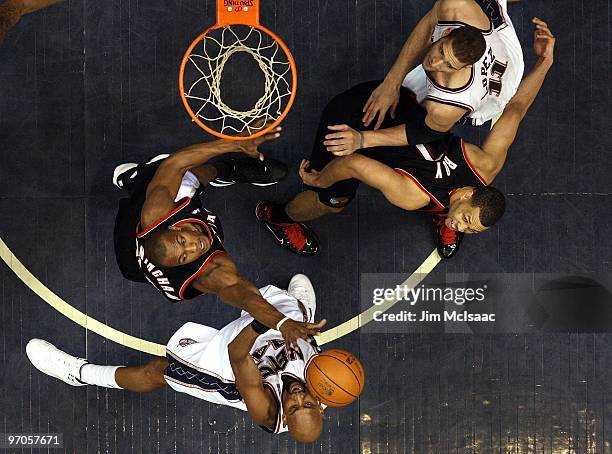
344 141
383 99
309 176
293 330
250 146
543 40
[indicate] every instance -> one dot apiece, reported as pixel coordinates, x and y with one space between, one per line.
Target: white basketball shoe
50 360
121 178
301 289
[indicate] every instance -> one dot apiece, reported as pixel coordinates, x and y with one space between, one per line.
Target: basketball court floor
87 85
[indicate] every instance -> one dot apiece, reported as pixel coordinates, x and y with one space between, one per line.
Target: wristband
259 328
361 139
279 324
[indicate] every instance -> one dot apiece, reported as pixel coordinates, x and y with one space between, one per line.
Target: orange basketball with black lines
336 377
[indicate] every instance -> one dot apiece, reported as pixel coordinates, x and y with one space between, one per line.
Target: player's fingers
381 118
335 135
338 127
336 148
318 325
538 21
393 107
367 105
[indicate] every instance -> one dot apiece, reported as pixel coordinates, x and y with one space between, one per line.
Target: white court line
153 348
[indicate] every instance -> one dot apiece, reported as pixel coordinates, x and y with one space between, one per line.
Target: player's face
440 57
297 402
184 244
463 217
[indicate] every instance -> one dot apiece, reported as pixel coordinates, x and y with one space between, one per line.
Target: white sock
93 374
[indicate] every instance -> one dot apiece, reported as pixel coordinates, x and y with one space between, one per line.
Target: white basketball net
206 64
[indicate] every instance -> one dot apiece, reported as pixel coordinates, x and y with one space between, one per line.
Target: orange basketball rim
238 13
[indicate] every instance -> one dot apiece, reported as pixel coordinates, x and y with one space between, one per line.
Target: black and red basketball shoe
295 236
447 240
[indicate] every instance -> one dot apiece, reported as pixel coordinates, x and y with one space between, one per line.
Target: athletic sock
224 170
279 215
93 374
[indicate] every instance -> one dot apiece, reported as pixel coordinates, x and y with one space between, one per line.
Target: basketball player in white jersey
445 175
450 82
243 365
11 12
448 176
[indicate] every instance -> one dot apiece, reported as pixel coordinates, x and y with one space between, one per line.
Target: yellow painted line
367 316
73 314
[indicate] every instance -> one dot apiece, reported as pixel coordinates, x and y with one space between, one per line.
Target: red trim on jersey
183 203
197 273
421 187
465 157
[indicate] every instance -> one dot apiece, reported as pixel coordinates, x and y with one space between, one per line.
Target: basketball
336 377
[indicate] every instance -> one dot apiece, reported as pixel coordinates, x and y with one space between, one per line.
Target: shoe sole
120 170
222 185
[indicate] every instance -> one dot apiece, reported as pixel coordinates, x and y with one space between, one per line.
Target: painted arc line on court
72 313
153 348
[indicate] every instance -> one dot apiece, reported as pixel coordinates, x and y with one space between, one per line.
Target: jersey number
492 71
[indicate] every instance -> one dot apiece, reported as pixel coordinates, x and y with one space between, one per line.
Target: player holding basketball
447 176
164 236
243 365
11 12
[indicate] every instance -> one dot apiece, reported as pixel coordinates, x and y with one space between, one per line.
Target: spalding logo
326 388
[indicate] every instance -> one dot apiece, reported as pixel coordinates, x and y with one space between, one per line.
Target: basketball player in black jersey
449 177
164 236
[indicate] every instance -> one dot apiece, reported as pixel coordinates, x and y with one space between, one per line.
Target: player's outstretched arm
235 290
496 145
166 182
260 404
385 98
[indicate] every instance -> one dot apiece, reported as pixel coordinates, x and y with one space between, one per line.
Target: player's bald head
302 411
306 424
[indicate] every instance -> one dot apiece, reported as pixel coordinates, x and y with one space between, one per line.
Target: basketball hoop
210 56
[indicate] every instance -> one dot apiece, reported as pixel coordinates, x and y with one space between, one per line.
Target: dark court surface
87 85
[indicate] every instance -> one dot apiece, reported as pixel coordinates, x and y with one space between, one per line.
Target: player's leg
397 189
285 220
141 379
12 10
78 372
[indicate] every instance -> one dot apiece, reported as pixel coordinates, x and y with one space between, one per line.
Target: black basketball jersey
175 282
437 168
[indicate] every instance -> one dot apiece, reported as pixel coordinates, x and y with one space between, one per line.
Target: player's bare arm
385 97
260 404
491 156
224 280
397 189
164 186
344 140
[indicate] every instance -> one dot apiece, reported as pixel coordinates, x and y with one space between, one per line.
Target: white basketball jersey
200 365
495 77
